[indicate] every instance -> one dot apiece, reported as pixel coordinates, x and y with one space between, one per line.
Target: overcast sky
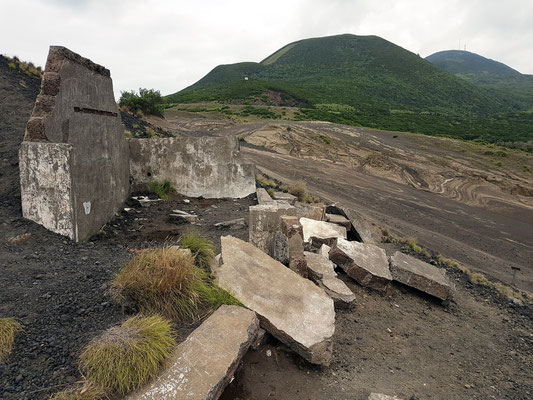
170 44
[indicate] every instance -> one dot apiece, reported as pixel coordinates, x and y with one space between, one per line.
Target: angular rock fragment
289 198
380 396
361 228
311 211
324 232
291 308
264 221
339 220
263 197
365 263
420 275
203 365
233 224
324 250
322 271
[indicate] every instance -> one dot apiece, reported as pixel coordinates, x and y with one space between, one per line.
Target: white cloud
169 45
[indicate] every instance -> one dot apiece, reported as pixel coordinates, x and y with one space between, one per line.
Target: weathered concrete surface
263 197
203 365
279 248
291 308
339 220
264 222
76 106
293 231
47 181
196 166
289 198
321 230
420 275
322 271
324 250
365 263
311 211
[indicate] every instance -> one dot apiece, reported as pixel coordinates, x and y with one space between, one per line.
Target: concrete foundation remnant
74 170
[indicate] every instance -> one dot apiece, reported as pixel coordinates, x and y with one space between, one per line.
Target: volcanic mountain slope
486 73
365 81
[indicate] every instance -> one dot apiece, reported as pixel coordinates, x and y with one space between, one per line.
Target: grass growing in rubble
475 278
127 356
9 327
86 391
162 189
201 248
166 281
299 189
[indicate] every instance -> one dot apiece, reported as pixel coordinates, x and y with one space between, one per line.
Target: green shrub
325 139
125 357
162 189
201 248
9 327
271 192
151 134
148 101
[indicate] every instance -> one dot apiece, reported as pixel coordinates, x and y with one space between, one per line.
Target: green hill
487 73
360 80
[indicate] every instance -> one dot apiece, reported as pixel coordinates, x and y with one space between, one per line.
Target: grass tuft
86 391
9 327
201 248
162 189
167 282
263 181
125 357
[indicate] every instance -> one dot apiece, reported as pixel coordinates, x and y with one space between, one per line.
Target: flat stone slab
339 220
291 308
321 230
289 198
203 365
420 275
365 263
322 271
263 197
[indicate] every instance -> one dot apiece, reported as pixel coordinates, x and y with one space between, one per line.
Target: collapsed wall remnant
74 170
207 166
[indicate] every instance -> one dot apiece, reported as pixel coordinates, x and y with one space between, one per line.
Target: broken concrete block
75 118
289 198
311 211
380 396
322 271
323 231
208 166
203 365
264 221
339 220
298 264
361 228
420 275
263 197
233 224
279 248
365 263
291 308
324 250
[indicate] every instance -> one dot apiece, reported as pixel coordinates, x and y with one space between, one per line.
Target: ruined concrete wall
196 166
76 106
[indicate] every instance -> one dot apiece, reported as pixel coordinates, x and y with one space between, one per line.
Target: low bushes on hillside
148 101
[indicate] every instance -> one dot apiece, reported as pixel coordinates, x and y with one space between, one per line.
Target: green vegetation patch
148 101
162 189
125 357
201 248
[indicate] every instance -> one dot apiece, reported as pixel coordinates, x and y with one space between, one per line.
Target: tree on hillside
149 101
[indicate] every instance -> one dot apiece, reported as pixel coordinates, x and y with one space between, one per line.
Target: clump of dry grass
9 327
86 391
20 239
127 356
299 189
264 181
166 281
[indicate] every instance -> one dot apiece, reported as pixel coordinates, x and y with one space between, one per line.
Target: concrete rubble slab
203 365
322 271
311 211
339 220
233 224
324 250
291 308
289 198
264 222
420 275
321 230
263 197
365 263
